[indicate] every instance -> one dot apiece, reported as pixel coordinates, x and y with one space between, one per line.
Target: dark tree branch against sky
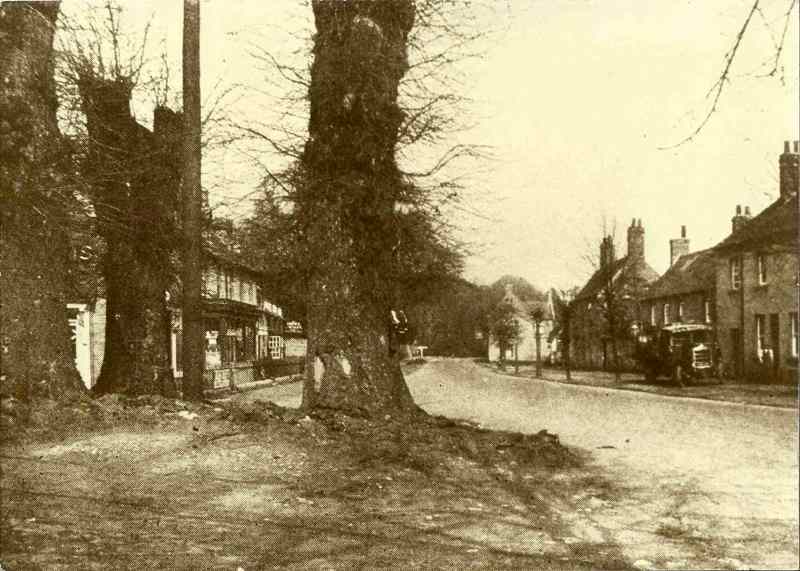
639 70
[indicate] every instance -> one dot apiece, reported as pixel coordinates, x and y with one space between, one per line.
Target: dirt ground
699 484
785 396
153 483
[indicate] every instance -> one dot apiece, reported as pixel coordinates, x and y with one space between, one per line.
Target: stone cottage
757 285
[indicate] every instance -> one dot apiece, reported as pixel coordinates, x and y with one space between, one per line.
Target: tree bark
347 200
134 186
36 201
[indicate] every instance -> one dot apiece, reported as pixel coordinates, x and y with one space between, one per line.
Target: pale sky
575 98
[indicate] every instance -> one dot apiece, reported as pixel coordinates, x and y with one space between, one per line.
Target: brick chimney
636 240
790 168
678 247
740 219
607 255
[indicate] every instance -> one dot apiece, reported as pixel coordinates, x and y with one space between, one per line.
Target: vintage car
681 351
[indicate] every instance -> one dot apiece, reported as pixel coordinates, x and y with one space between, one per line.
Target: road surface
699 484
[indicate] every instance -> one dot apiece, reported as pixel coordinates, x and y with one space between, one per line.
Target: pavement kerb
644 393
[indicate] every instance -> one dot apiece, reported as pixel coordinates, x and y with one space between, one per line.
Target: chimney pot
797 147
786 146
738 209
683 231
633 222
747 211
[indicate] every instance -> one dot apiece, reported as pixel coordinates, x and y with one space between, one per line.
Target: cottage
619 284
686 293
757 285
525 348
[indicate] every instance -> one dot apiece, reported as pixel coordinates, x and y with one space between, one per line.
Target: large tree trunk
347 200
36 201
134 179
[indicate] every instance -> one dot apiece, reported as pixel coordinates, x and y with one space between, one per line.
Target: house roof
525 308
226 254
621 268
691 272
777 224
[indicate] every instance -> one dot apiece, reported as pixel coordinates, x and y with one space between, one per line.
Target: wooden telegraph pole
193 329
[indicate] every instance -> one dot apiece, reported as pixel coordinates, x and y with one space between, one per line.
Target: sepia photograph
399 284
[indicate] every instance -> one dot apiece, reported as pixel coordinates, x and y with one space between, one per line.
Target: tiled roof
525 308
691 272
777 224
621 269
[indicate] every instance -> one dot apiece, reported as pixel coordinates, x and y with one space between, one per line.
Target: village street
693 483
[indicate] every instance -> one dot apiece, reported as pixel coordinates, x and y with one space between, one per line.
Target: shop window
276 347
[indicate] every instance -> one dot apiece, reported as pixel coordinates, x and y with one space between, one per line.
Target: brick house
757 285
525 348
686 293
627 279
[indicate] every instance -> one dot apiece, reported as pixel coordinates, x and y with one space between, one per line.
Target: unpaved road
700 484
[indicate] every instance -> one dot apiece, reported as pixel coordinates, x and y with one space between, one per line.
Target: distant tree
37 203
537 315
505 328
564 309
616 302
521 287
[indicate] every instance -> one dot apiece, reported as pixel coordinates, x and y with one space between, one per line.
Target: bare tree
133 182
37 199
770 67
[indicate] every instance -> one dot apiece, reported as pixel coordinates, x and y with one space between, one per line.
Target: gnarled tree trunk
134 177
34 233
346 202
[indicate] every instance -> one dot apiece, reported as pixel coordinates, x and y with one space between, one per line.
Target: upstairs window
665 310
707 311
653 314
680 311
761 267
795 339
736 273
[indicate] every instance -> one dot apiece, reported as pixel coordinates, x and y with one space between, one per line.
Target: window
736 273
707 311
795 349
761 265
680 311
761 334
228 286
666 313
276 347
653 314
